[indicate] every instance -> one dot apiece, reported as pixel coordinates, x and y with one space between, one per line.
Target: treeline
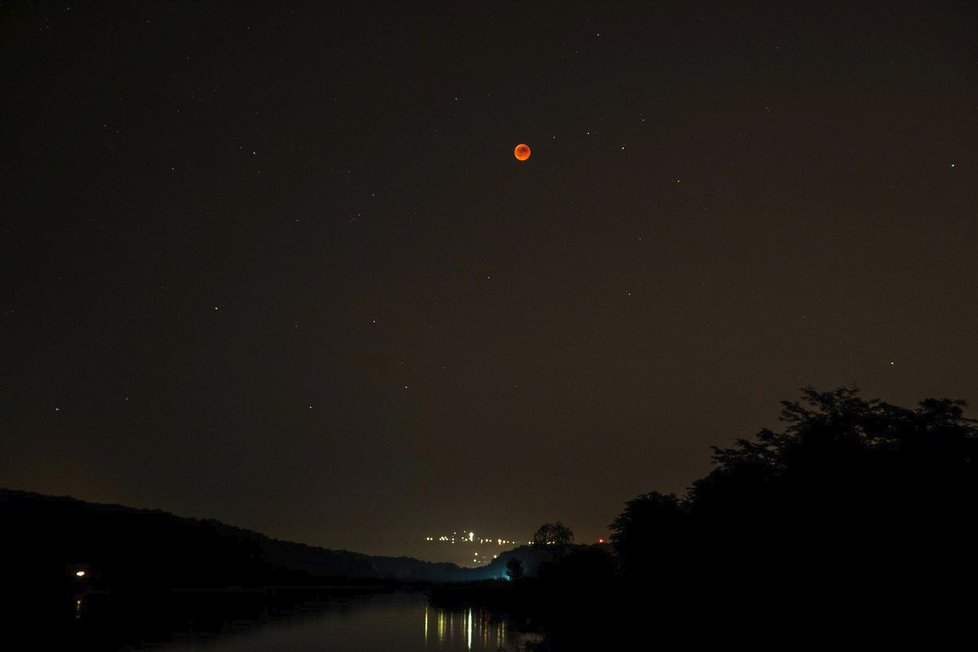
855 515
122 548
848 484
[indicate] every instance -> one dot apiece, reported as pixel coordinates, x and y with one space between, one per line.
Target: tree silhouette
553 534
652 526
840 455
514 569
865 502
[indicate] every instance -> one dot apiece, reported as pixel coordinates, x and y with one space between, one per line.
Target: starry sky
276 263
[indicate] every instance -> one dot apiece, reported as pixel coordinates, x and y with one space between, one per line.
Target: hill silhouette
129 550
149 573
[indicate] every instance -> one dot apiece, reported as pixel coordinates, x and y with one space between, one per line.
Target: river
394 622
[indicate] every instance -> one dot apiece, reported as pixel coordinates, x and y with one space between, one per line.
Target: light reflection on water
446 629
398 622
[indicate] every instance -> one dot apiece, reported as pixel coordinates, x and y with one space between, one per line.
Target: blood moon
522 152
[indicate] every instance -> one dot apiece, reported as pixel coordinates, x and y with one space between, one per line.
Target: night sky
276 264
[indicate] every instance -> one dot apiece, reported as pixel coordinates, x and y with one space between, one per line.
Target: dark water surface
399 622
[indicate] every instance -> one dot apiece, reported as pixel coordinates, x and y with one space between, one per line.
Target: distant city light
468 537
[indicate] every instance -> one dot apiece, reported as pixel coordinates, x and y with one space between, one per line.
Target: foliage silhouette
514 569
852 522
550 534
854 503
649 530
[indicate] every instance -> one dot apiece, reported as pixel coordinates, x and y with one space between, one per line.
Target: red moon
522 152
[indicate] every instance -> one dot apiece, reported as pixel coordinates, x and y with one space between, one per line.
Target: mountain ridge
118 540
